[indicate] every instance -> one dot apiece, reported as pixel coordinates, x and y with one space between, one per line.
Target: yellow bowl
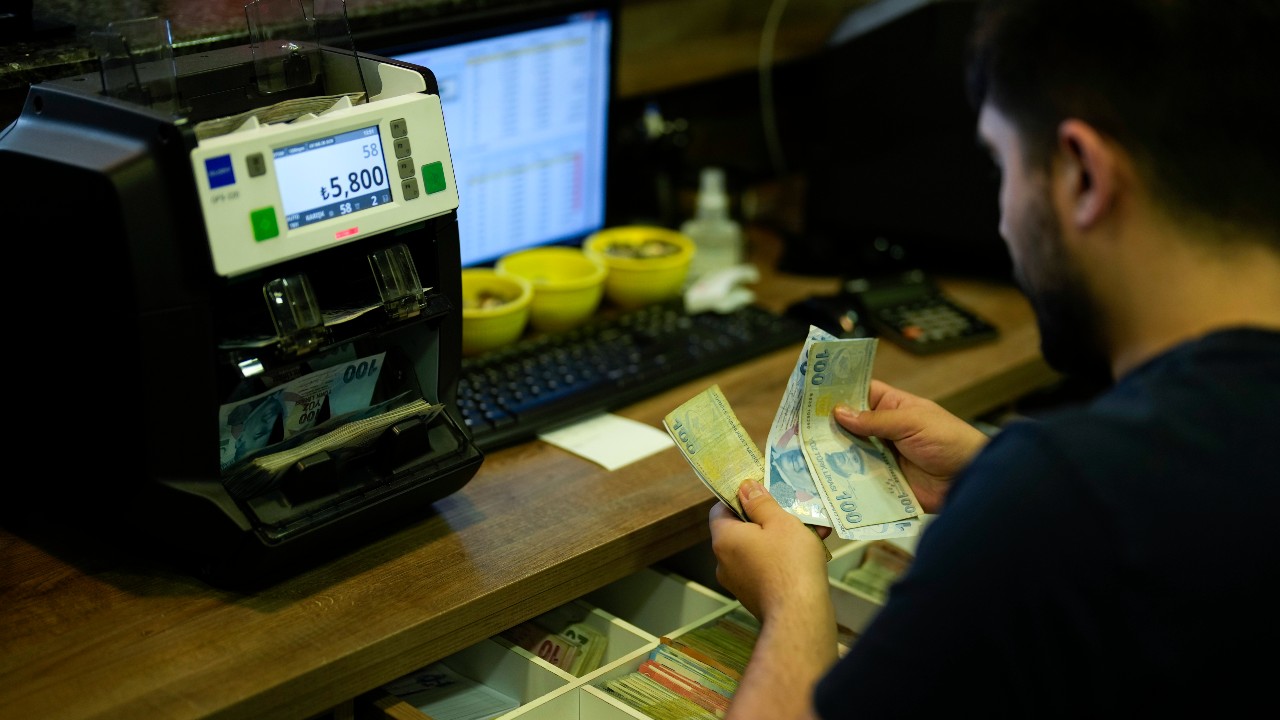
567 284
495 309
646 263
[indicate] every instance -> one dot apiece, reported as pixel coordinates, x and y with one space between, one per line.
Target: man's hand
931 444
774 564
770 563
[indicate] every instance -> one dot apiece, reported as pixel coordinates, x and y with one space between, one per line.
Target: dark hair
1191 89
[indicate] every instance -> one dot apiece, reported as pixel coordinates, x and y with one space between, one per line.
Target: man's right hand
930 444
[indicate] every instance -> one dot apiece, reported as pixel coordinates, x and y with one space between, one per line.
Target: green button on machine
264 223
433 177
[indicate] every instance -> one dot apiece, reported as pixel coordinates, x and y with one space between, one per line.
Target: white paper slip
609 440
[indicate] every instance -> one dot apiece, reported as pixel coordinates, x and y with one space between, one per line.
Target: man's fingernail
750 489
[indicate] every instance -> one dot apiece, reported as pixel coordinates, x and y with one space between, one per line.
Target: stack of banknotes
692 676
815 469
882 564
562 639
286 111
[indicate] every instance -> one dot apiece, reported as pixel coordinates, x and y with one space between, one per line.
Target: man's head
1187 90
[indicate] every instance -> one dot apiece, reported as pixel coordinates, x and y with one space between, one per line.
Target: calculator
913 312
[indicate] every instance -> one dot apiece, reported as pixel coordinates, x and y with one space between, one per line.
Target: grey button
399 128
405 166
402 148
409 188
257 165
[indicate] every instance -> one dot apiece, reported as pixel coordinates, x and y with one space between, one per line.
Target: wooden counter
86 633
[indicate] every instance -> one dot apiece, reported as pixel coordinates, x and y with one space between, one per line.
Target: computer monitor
526 90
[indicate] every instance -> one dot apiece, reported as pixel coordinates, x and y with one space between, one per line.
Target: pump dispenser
718 237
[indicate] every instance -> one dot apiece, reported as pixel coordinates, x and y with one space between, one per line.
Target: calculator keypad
931 324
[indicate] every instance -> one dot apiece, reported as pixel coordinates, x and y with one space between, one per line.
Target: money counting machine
247 317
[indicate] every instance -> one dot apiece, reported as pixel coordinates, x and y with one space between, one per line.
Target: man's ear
1087 173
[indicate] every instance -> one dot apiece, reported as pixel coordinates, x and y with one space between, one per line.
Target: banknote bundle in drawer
645 619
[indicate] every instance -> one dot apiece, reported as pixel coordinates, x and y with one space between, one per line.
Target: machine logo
219 171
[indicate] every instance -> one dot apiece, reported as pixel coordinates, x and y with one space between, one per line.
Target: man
1116 559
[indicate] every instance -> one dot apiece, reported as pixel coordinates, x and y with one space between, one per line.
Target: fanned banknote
715 444
786 470
717 447
827 477
865 494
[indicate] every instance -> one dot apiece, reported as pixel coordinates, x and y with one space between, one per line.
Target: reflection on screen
526 114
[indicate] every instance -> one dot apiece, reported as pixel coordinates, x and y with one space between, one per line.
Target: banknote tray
595 702
635 612
324 486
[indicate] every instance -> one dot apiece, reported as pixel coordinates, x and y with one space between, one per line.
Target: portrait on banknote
251 426
792 486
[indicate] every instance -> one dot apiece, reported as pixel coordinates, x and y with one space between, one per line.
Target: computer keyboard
540 383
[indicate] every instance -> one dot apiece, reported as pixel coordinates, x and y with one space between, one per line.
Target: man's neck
1189 289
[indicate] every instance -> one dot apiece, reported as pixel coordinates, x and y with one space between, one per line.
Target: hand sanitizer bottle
718 237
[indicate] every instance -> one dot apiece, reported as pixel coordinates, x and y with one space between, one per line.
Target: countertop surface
88 631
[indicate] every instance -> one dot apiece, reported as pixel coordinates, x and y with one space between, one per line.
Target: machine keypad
405 165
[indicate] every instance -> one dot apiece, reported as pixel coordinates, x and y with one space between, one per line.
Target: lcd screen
331 176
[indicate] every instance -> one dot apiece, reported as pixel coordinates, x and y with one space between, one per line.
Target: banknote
549 645
351 434
591 644
718 448
858 479
249 425
716 445
285 111
653 699
787 475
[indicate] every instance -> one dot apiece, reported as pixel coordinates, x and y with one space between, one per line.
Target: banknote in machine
349 435
249 425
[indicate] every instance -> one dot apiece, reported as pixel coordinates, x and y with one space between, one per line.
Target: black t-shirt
1114 560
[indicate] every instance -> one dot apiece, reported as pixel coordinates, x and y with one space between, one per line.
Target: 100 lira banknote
816 470
787 475
715 444
858 479
250 425
717 447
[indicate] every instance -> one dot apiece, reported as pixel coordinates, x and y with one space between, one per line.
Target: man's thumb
866 423
756 503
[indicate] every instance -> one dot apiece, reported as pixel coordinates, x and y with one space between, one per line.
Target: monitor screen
526 109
